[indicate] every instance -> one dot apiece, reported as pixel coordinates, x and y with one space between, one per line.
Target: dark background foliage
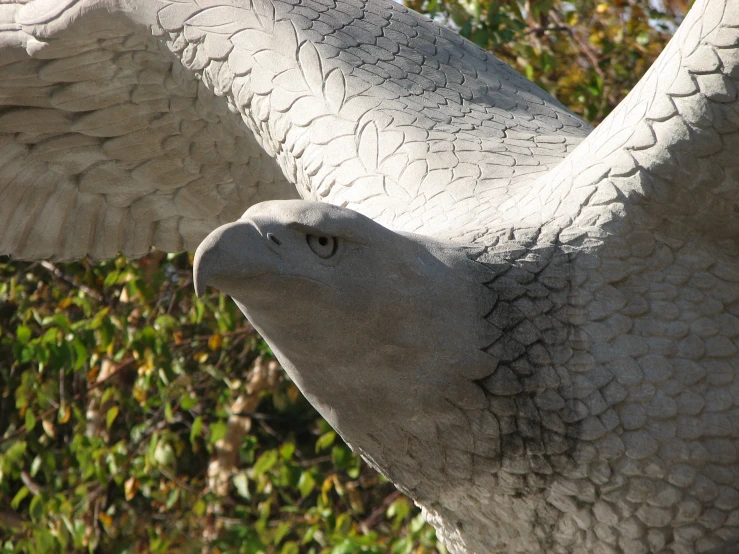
135 417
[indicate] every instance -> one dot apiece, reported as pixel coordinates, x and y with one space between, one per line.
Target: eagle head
376 328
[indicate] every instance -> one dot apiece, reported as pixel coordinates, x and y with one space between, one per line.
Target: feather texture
594 406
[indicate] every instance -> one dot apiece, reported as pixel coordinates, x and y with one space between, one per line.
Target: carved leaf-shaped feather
105 70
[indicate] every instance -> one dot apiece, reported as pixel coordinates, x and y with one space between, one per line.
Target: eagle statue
529 326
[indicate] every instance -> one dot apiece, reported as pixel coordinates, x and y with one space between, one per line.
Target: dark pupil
323 241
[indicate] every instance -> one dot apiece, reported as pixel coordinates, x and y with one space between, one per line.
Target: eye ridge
322 246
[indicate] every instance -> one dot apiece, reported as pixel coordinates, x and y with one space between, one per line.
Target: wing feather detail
103 130
362 104
670 148
180 112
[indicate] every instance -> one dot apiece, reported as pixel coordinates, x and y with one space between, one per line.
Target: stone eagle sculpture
529 327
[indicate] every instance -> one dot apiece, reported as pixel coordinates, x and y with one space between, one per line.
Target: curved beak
228 255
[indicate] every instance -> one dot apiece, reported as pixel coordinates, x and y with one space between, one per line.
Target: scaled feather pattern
529 326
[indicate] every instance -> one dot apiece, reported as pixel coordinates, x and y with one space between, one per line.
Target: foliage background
135 417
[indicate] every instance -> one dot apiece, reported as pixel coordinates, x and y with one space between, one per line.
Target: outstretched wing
670 148
131 124
108 144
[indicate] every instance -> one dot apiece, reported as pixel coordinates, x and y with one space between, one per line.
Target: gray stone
528 326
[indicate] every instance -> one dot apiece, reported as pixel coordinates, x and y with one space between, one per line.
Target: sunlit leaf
306 484
131 487
287 450
265 462
188 402
197 427
199 508
110 416
241 482
217 431
23 334
325 441
19 496
215 341
64 413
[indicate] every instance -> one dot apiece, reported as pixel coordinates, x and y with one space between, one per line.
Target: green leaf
57 320
398 510
341 456
19 496
14 455
165 322
30 420
23 334
281 532
36 508
217 431
354 471
265 462
79 532
35 466
172 498
110 416
306 484
164 454
287 450
199 508
290 548
197 426
44 540
81 354
325 441
188 402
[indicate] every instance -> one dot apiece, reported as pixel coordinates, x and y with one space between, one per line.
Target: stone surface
532 329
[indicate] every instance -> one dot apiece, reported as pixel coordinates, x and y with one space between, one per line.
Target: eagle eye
323 247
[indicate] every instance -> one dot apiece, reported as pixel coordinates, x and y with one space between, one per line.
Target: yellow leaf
49 428
106 519
601 8
215 341
92 375
139 393
148 366
65 303
201 357
131 487
64 413
326 486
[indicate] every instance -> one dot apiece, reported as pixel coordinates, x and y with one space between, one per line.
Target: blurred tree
587 53
135 417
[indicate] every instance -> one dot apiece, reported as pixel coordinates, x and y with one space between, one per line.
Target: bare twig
539 30
47 413
376 514
586 49
177 481
72 281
